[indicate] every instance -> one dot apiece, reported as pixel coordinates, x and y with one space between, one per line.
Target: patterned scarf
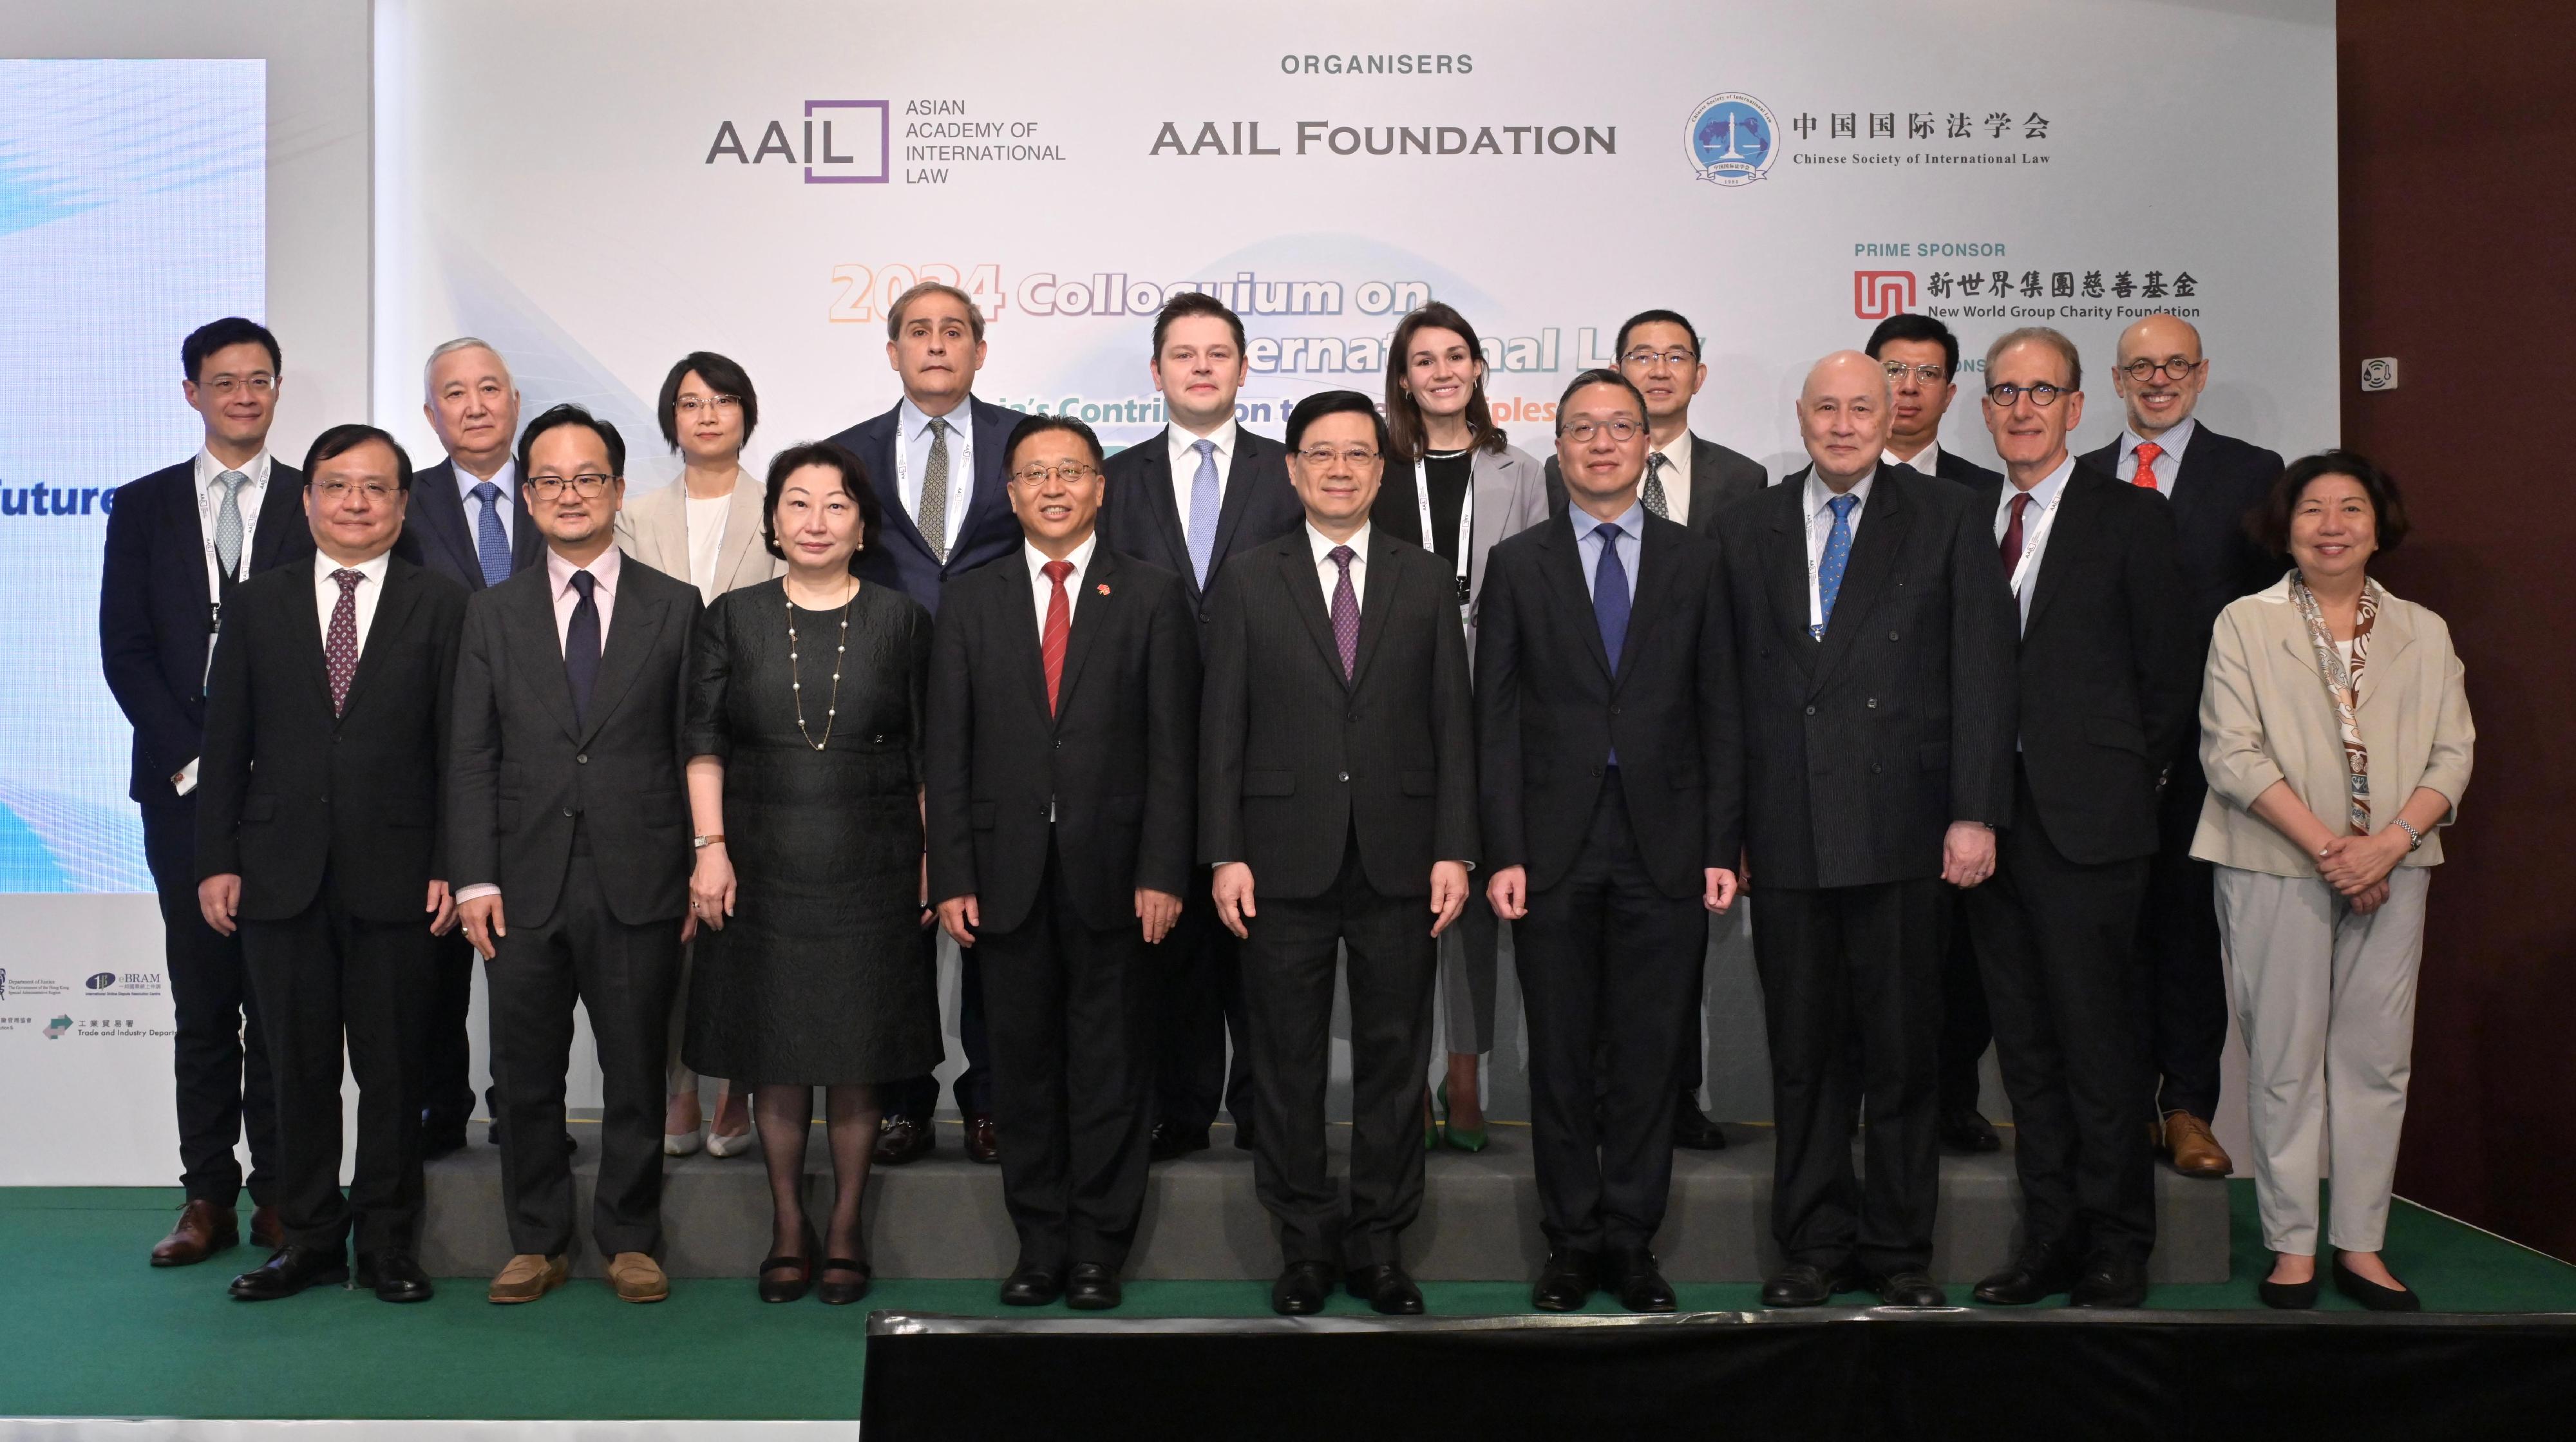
2343 686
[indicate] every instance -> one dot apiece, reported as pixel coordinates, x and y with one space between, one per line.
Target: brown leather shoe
528 1277
638 1278
265 1229
204 1229
901 1140
981 1144
2193 1151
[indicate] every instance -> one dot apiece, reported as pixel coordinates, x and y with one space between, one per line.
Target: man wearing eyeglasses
569 848
1688 479
1604 693
2213 481
319 844
2106 686
1062 831
1337 804
179 541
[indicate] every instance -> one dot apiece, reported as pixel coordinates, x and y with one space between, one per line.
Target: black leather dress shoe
1694 1131
1092 1287
1301 1289
2111 1282
1802 1285
291 1271
1567 1282
2033 1277
1170 1141
1910 1289
440 1136
1033 1287
1637 1282
982 1143
901 1140
394 1277
843 1280
1964 1130
2372 1295
1387 1290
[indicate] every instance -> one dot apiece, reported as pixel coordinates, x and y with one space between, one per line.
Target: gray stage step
943 1217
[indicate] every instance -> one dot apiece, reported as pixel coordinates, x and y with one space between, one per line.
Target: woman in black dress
804 730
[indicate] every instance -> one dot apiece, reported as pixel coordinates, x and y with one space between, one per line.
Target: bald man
1873 645
2212 480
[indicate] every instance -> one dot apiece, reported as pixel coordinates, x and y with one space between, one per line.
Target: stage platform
943 1217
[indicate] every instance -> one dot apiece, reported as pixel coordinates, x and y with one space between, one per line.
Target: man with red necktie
2213 481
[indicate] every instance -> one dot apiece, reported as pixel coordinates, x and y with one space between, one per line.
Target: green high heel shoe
1463 1138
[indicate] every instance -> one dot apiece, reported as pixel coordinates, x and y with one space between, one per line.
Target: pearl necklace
796 683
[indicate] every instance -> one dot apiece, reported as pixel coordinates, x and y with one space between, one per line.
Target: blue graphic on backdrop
1733 139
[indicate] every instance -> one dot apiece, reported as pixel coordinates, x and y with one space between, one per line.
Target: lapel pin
1104 588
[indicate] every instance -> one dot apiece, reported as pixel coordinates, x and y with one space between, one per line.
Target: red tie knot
1056 571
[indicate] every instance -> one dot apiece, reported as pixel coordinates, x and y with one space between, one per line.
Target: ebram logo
101 982
1878 294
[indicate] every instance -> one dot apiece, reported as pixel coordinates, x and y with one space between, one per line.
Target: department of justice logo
1732 139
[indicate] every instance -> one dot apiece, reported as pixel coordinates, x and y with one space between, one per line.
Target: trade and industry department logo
1878 294
57 1027
1732 139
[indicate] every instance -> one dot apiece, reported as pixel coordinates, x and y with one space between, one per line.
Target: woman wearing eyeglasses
706 531
1454 486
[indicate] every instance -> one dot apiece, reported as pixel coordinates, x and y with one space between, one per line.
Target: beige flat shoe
528 1277
684 1144
733 1146
637 1278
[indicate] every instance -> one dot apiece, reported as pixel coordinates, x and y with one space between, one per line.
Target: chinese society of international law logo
1732 139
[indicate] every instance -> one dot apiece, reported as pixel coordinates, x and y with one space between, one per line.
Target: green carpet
88 1330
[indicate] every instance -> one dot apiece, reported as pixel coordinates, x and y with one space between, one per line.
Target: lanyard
2033 539
1466 520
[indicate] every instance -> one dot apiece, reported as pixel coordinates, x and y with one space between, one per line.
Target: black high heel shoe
842 1294
796 1273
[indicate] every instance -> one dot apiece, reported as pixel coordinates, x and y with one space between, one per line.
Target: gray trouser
2326 1000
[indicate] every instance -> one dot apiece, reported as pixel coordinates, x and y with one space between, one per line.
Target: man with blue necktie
468 522
1873 643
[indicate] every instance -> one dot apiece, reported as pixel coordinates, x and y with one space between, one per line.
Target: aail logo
841 142
1878 294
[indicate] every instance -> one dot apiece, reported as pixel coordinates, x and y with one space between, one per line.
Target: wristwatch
701 843
2414 838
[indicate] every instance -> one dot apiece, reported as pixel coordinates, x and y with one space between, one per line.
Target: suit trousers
1966 1027
2326 999
1610 970
218 1059
917 1097
626 976
1070 1013
328 979
1199 1006
447 1079
2179 934
2068 991
1842 966
1288 967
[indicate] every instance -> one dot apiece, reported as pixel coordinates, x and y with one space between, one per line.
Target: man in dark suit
178 541
2212 481
936 461
1688 480
1337 802
1921 357
569 849
1601 656
2106 687
468 522
1061 775
1873 645
319 843
1188 500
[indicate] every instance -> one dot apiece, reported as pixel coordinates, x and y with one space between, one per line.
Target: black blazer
1719 478
155 616
438 534
287 791
520 769
1859 750
1293 760
1139 518
2109 680
2222 481
1116 764
1549 710
1955 467
900 557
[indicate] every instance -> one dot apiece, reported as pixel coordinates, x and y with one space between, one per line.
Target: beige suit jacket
654 529
2265 717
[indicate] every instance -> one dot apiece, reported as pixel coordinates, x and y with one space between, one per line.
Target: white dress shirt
603 591
1820 529
1185 465
2036 523
371 589
912 458
1926 460
1328 575
1040 588
248 499
506 481
1677 477
2173 442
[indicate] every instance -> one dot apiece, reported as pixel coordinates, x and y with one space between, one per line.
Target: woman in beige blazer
2336 736
705 530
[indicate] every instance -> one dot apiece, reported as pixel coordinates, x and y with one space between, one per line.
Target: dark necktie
1656 502
340 643
581 647
1059 626
2012 533
1346 611
1610 598
491 543
933 510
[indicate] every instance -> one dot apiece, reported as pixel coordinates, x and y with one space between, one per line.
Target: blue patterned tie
1610 598
491 543
1829 573
1203 512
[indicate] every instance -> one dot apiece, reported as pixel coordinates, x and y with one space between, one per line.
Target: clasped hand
2358 866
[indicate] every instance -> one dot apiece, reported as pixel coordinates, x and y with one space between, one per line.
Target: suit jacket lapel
1704 497
1238 499
985 489
883 472
1784 571
632 625
184 519
2390 635
1883 524
1161 512
281 514
529 626
393 612
742 531
1380 587
1090 617
1563 566
1298 572
441 516
2065 551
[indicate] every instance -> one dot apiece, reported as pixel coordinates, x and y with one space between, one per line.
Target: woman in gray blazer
1455 486
705 530
2336 736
